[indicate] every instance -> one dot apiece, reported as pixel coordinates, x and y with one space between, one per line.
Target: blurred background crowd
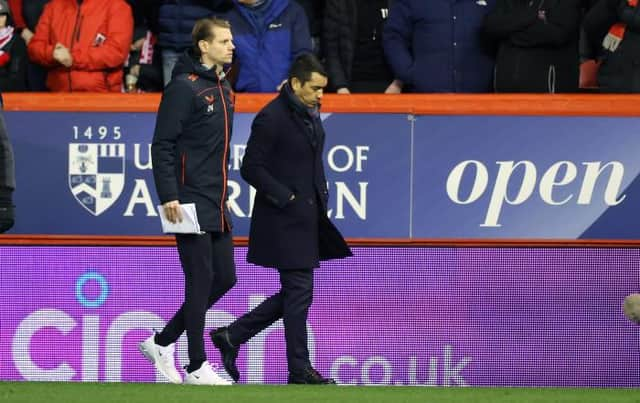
367 46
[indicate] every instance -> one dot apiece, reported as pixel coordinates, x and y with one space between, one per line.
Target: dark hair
303 66
203 31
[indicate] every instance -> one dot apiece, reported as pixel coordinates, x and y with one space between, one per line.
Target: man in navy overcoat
290 230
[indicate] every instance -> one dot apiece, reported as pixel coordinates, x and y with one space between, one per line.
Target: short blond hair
203 31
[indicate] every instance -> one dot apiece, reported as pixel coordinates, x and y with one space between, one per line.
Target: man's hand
631 308
26 35
343 90
62 55
394 88
137 45
172 211
135 70
589 74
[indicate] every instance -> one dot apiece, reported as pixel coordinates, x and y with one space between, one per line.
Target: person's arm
599 20
300 36
18 67
554 26
398 32
174 110
588 62
254 170
40 49
115 49
503 21
629 15
333 18
16 13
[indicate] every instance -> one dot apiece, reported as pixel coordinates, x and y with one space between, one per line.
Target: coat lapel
304 130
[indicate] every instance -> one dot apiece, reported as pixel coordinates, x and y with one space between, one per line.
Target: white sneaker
205 375
161 357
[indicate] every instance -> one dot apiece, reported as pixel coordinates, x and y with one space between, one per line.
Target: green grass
69 392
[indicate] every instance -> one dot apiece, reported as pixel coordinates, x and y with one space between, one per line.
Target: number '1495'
96 133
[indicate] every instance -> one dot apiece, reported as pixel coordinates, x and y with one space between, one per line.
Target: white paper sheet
189 224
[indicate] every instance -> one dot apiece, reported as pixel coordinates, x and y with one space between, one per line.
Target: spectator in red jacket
83 44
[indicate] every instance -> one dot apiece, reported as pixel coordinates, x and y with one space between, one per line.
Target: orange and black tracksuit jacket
191 142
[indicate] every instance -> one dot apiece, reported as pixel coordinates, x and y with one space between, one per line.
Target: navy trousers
291 304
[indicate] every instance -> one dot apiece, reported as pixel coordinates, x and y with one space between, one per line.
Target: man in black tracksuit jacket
190 155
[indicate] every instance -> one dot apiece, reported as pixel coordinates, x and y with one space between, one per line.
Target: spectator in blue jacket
438 45
268 35
176 19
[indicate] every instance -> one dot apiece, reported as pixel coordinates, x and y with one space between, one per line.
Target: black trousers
291 304
209 272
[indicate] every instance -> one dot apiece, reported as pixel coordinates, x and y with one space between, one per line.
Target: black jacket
340 40
13 75
31 12
587 49
190 150
314 10
7 170
620 70
177 17
7 177
535 54
284 158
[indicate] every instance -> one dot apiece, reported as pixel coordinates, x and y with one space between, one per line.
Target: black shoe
229 353
310 377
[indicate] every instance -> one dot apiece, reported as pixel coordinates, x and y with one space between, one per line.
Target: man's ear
296 84
203 45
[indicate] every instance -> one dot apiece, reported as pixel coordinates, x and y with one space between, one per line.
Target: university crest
96 174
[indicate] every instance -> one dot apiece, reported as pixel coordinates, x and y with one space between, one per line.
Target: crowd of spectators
367 46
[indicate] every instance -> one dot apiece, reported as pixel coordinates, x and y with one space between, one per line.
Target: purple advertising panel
393 316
